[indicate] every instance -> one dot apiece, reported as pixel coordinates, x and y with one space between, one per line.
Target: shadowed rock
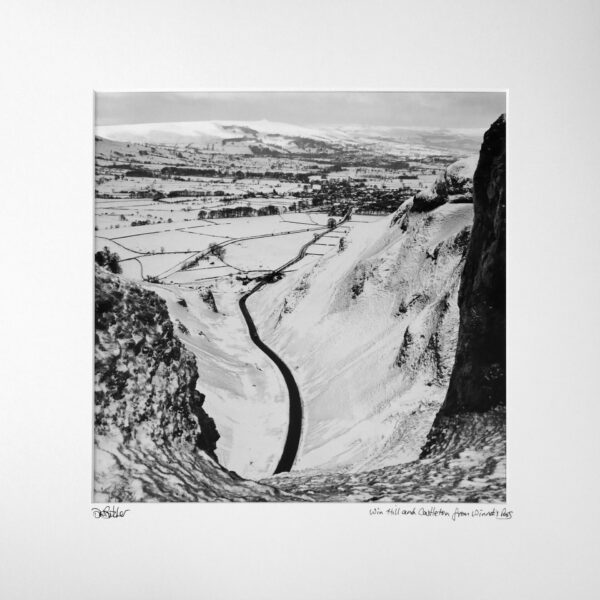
478 380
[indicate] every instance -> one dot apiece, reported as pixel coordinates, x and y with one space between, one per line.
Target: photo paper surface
300 297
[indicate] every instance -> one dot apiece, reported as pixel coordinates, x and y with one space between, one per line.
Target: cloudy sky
424 109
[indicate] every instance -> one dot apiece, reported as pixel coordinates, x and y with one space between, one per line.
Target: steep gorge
153 440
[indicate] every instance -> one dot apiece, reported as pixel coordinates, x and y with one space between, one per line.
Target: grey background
57 53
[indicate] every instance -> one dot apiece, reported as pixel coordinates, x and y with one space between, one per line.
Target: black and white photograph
299 300
300 297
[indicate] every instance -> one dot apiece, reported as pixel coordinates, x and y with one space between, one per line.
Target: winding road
292 441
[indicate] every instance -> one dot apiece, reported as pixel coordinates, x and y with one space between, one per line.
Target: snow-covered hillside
207 132
370 333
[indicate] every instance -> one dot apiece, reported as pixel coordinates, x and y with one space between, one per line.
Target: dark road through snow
292 442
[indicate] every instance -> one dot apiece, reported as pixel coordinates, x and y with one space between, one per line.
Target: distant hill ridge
296 137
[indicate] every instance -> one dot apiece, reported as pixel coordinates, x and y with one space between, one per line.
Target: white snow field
160 248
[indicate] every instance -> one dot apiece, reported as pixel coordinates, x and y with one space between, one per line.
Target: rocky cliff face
144 377
478 380
153 438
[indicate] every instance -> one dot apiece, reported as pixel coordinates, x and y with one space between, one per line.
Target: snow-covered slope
244 390
370 333
467 467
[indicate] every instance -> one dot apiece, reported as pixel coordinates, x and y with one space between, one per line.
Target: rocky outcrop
453 186
144 377
478 380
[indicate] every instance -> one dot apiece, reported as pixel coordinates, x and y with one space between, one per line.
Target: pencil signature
109 512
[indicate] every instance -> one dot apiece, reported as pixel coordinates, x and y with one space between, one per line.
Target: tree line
227 212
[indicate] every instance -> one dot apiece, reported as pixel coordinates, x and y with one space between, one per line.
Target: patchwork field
249 244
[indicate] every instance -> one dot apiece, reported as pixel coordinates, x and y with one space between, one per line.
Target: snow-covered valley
365 316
